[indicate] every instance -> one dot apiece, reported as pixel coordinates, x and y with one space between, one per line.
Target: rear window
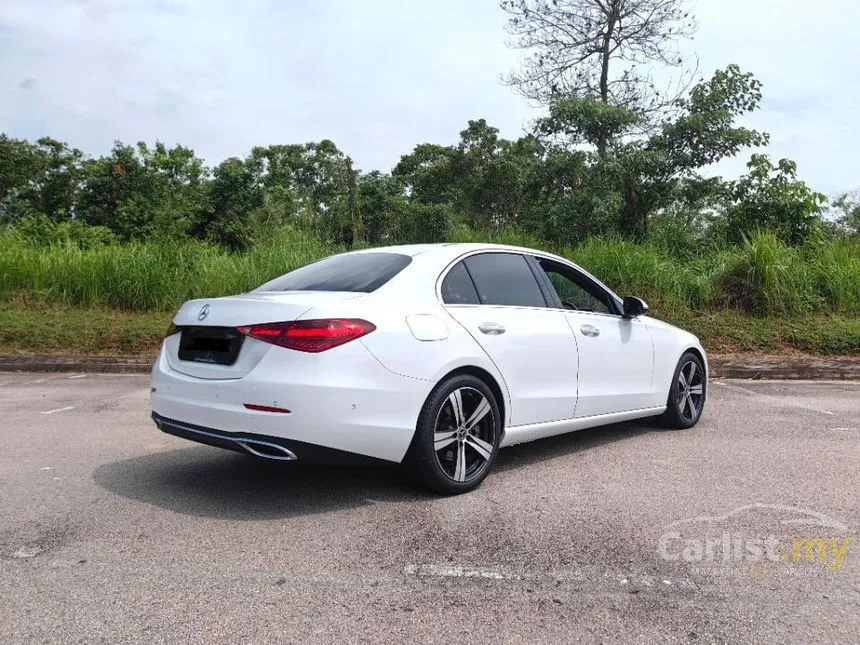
458 288
358 272
505 279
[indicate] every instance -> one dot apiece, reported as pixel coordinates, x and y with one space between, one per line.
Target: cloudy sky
378 76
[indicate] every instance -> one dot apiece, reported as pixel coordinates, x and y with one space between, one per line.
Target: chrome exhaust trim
286 455
244 443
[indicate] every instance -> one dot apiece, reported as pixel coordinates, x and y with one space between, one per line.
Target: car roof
452 249
439 255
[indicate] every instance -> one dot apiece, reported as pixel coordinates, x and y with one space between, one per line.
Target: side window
576 292
458 288
504 279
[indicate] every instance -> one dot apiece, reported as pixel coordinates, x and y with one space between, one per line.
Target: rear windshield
358 272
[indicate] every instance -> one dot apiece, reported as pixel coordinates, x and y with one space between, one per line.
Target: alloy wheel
464 436
691 390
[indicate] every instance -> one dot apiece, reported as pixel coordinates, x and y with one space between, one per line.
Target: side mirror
634 306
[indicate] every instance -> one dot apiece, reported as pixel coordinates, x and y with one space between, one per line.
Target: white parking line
455 571
775 400
71 407
78 376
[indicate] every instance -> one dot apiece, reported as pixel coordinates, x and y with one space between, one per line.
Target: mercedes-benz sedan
434 356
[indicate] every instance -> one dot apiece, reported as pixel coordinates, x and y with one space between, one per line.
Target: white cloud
376 77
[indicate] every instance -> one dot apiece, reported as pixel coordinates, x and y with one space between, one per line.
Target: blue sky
378 76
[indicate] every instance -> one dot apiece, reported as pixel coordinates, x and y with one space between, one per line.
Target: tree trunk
611 18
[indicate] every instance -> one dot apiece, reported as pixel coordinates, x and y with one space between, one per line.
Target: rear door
616 355
497 298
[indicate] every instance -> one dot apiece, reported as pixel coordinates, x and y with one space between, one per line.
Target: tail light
310 335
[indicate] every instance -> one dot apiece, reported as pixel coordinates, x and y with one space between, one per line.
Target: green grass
52 329
117 299
145 277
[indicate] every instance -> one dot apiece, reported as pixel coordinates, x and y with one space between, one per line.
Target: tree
847 208
382 206
138 192
234 193
38 179
597 48
639 173
772 198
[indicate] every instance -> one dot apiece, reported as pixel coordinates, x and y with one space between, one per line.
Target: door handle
492 329
589 330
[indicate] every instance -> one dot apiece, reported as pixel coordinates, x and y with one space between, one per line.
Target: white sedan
434 356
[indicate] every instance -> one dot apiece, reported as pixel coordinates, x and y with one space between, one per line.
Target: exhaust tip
267 450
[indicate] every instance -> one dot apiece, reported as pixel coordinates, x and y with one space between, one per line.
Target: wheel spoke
692 373
682 404
443 439
692 405
480 446
479 413
460 468
682 379
456 401
697 389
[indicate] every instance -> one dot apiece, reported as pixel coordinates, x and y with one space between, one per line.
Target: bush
835 270
41 231
643 270
765 276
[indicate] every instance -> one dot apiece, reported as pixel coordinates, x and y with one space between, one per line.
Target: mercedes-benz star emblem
203 312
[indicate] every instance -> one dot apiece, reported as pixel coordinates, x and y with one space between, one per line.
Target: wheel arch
489 380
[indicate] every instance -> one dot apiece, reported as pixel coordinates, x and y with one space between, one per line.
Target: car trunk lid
207 343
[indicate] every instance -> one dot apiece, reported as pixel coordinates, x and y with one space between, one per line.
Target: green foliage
835 270
146 276
771 198
40 178
586 120
767 277
762 277
38 230
847 208
139 192
705 131
425 223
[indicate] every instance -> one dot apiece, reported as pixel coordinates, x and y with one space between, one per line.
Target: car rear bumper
274 448
347 403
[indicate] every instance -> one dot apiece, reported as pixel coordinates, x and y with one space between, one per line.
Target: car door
496 296
616 354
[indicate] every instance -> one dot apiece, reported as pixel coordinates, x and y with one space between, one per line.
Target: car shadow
210 482
216 483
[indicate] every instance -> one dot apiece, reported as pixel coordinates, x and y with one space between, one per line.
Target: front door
616 354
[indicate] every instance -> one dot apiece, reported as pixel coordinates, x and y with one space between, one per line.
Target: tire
448 456
685 403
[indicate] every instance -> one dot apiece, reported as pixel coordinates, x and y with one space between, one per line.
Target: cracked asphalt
112 532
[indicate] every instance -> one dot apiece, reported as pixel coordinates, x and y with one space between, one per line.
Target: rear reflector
310 335
266 408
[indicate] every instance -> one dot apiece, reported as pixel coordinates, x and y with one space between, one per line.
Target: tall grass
760 277
153 276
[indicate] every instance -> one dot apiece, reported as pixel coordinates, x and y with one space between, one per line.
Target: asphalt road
112 532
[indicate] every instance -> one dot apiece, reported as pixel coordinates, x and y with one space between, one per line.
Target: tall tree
638 173
600 49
